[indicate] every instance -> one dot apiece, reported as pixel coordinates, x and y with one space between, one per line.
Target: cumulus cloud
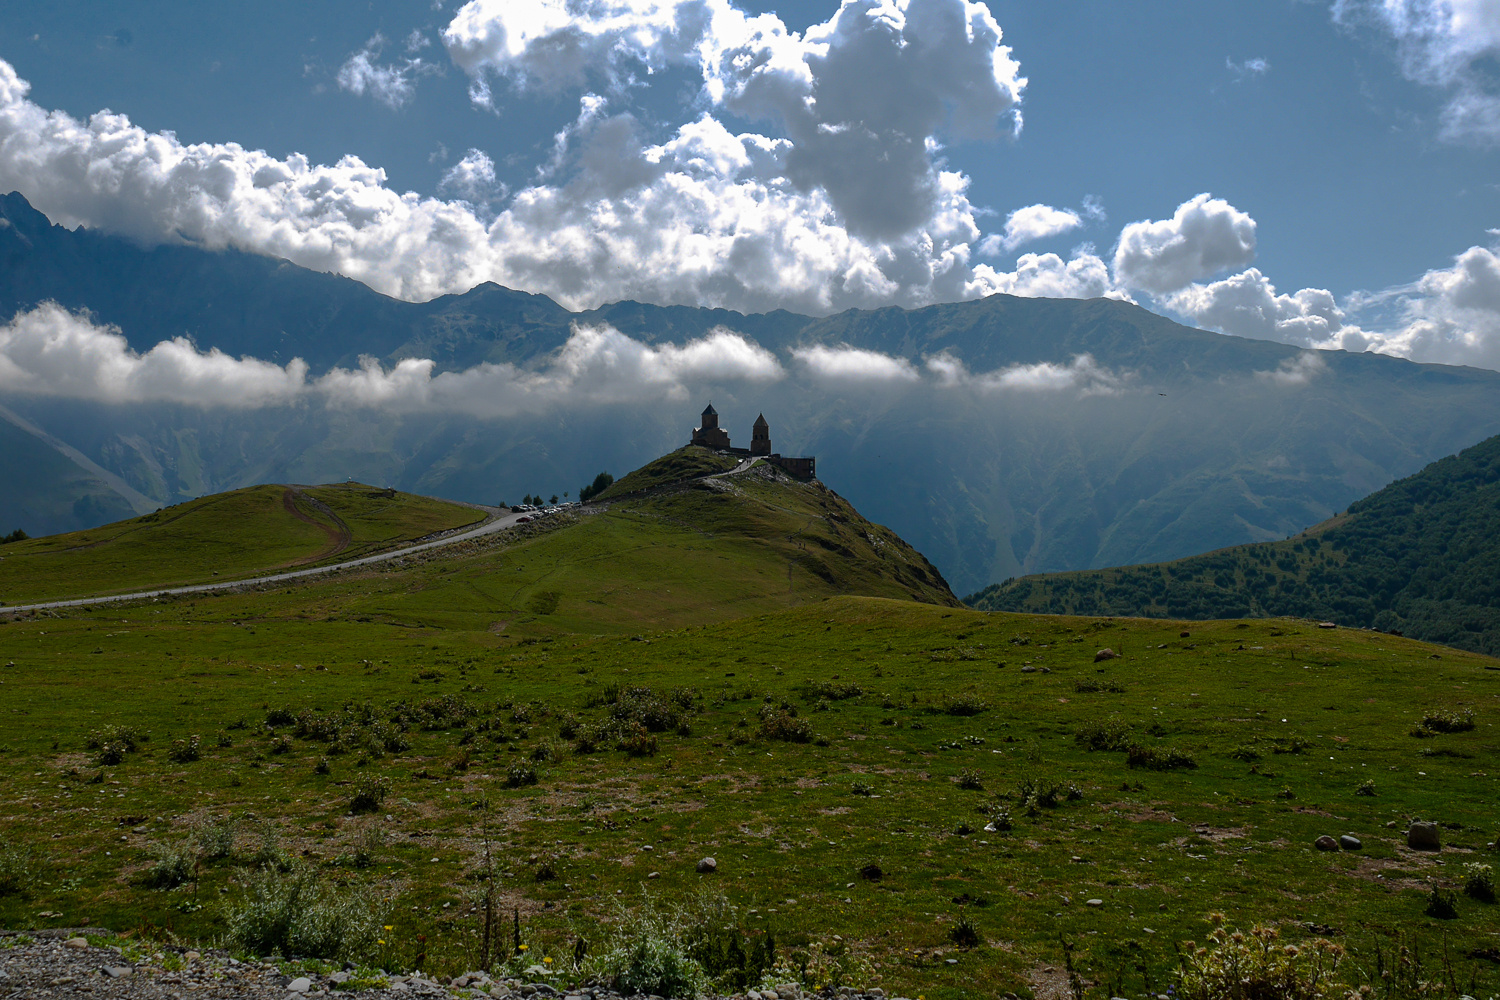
1083 374
854 364
1047 275
1450 45
1451 315
473 179
706 216
49 351
1298 370
1026 225
1204 237
1247 305
392 84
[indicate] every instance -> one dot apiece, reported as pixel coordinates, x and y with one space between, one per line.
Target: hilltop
1420 557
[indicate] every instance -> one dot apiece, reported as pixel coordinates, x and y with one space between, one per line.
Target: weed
17 870
1441 904
186 751
637 741
1238 965
215 837
1479 882
970 779
1098 687
1365 788
1246 753
293 913
518 775
963 933
1000 821
369 793
781 724
1158 758
270 855
1448 722
1291 744
831 691
965 705
280 717
861 788
1113 735
171 867
366 847
650 956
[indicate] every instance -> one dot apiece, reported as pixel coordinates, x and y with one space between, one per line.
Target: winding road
496 522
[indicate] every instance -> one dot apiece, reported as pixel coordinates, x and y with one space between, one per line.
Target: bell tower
760 437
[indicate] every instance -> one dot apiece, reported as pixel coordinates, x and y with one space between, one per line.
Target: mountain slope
1084 434
1421 557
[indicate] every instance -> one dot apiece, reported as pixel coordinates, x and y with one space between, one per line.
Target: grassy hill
229 535
1420 557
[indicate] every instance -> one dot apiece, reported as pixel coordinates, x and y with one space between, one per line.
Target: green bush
1449 722
1441 904
965 705
214 838
17 870
1113 735
783 726
369 793
519 775
970 780
293 913
649 955
1239 966
186 751
171 867
1479 882
1158 758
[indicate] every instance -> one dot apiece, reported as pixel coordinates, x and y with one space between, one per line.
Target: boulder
1326 843
76 942
299 985
1423 837
1350 842
1105 654
707 866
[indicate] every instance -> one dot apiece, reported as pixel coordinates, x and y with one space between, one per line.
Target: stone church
711 435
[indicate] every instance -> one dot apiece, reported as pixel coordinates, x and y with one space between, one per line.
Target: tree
554 498
15 536
602 482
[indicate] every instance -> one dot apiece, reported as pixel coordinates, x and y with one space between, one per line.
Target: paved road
497 522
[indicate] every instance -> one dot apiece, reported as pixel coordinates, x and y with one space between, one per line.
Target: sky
1316 172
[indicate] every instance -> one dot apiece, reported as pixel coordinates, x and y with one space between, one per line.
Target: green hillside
1420 557
226 536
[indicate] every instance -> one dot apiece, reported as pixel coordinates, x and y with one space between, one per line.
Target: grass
690 462
429 693
223 537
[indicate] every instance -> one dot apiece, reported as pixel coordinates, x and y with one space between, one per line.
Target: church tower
760 437
711 435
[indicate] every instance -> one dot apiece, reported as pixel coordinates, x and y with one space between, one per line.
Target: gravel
78 962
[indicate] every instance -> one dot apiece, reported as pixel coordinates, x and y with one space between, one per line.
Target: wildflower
525 947
380 940
389 927
547 960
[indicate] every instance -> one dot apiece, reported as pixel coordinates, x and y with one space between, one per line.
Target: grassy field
922 722
684 463
228 535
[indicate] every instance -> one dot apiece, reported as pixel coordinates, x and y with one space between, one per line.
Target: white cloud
1205 236
1450 316
1083 374
1247 305
1047 275
1248 69
49 351
855 364
1450 45
1026 225
473 179
392 84
1299 370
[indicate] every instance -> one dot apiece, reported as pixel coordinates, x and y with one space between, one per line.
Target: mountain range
1075 434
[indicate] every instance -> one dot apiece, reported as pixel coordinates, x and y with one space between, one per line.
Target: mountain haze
1004 436
1421 557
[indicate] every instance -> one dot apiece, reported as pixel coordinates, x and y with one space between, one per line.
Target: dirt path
338 533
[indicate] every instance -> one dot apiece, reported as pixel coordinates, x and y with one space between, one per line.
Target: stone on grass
1423 837
1093 902
1326 843
1105 654
299 985
76 942
708 866
1350 842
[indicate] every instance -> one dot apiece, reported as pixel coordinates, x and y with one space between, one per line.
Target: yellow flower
547 961
380 941
389 927
525 947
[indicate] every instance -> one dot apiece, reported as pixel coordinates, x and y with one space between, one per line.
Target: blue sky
605 149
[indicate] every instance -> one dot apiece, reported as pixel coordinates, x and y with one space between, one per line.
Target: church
711 435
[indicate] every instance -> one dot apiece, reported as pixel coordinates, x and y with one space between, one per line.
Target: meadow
443 739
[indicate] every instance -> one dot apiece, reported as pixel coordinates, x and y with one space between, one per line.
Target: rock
1093 902
654 875
1326 843
118 971
191 956
76 942
1105 654
1423 837
1327 625
299 985
340 977
708 866
1350 842
1028 669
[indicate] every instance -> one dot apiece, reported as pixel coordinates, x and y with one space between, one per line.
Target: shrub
1366 788
861 788
1158 758
1246 753
1111 735
1238 966
519 775
649 956
366 847
1449 722
836 692
1097 687
965 705
1479 882
186 751
215 838
1441 904
970 780
172 866
280 717
293 913
17 870
269 854
733 958
783 726
127 738
637 741
369 793
964 933
1000 821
